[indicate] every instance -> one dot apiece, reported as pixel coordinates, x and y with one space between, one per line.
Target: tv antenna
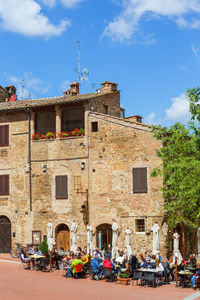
82 74
79 60
22 90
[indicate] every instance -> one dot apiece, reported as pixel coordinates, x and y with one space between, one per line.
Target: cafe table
185 278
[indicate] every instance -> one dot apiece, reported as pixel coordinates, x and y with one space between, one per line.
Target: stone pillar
32 123
58 119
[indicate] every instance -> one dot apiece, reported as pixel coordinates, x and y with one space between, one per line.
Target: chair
150 278
108 274
61 267
137 275
23 263
79 271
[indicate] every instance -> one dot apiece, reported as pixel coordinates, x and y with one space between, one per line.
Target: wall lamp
82 166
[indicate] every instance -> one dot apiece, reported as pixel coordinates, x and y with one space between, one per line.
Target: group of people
96 262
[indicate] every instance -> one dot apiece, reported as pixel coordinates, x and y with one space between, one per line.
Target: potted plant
43 247
123 278
36 136
50 135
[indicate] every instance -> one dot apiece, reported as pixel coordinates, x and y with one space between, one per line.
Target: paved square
19 284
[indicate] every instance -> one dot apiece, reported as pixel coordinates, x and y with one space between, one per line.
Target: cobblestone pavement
17 283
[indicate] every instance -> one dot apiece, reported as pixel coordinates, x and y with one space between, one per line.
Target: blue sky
150 48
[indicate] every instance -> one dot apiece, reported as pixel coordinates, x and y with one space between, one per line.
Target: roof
121 120
41 102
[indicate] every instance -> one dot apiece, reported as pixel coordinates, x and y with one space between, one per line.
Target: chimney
134 119
74 89
108 86
11 90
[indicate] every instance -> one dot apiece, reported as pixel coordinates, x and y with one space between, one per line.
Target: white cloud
27 85
49 3
65 85
25 17
179 109
71 3
150 119
127 23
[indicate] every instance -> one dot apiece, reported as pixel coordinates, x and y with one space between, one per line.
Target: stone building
93 176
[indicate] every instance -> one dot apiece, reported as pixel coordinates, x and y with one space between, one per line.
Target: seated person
107 263
120 261
37 251
159 268
84 257
195 277
75 262
153 262
96 268
26 259
142 261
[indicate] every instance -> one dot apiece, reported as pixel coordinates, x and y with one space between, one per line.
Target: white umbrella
74 228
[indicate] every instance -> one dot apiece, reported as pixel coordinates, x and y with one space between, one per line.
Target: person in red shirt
107 263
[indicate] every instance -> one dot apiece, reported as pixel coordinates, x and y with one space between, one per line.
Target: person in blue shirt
96 268
195 277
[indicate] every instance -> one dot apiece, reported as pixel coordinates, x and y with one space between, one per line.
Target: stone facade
101 160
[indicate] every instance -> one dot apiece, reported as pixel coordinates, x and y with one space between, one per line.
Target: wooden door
5 235
63 240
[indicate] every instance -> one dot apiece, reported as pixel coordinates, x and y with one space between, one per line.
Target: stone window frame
61 190
140 164
145 225
53 190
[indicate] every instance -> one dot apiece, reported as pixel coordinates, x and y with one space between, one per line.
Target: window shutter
1 185
61 187
139 180
4 135
4 185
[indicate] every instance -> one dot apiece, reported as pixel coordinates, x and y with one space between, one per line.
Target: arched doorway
63 237
104 236
5 235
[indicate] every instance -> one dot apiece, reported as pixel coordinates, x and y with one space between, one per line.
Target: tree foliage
180 153
43 247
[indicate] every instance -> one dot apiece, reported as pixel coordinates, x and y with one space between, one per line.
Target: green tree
43 247
180 153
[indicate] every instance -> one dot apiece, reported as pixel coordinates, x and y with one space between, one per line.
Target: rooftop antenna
79 61
93 87
22 89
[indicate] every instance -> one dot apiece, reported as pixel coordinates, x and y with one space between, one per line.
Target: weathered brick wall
113 151
112 100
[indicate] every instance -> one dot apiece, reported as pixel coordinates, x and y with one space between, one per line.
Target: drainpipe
29 157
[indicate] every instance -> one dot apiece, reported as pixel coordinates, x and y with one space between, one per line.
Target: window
45 121
94 126
139 180
72 118
4 185
77 183
4 135
61 187
105 109
122 113
140 225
